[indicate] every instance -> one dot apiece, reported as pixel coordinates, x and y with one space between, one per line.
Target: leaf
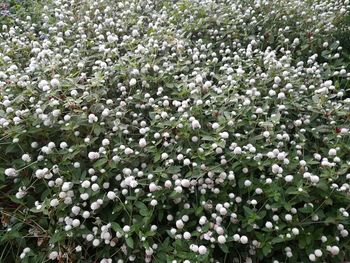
287 206
45 194
57 237
334 45
143 210
277 240
276 118
247 211
174 169
130 242
157 157
12 148
207 138
224 248
100 162
266 249
98 130
198 211
2 175
116 227
323 186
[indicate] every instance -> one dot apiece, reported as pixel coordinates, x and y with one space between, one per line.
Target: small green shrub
174 131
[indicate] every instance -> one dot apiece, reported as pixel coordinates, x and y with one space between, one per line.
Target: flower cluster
174 131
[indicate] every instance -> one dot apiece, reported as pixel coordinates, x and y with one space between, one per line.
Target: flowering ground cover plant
174 131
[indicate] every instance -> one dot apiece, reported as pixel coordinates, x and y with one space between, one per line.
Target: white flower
63 145
132 82
187 161
26 158
53 255
54 83
76 223
95 187
268 225
334 250
221 239
92 118
75 210
185 183
202 250
194 248
128 151
266 134
66 186
20 194
95 206
105 142
167 184
54 202
224 135
314 179
111 195
96 242
152 187
215 125
295 231
85 184
276 169
164 156
199 79
332 152
318 253
180 224
244 240
288 217
187 235
11 172
237 150
344 232
93 156
153 202
86 214
288 178
142 143
78 248
312 257
195 124
126 228
247 183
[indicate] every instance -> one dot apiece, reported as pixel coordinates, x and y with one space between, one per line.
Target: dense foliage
174 131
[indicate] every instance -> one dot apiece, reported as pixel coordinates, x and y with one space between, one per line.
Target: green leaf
277 240
116 227
2 175
142 208
173 169
224 248
57 237
100 162
208 138
247 211
266 249
334 45
130 242
198 211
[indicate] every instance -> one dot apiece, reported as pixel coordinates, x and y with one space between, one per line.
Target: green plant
174 131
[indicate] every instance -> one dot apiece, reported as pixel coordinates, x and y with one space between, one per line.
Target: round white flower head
132 82
244 240
202 250
142 143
